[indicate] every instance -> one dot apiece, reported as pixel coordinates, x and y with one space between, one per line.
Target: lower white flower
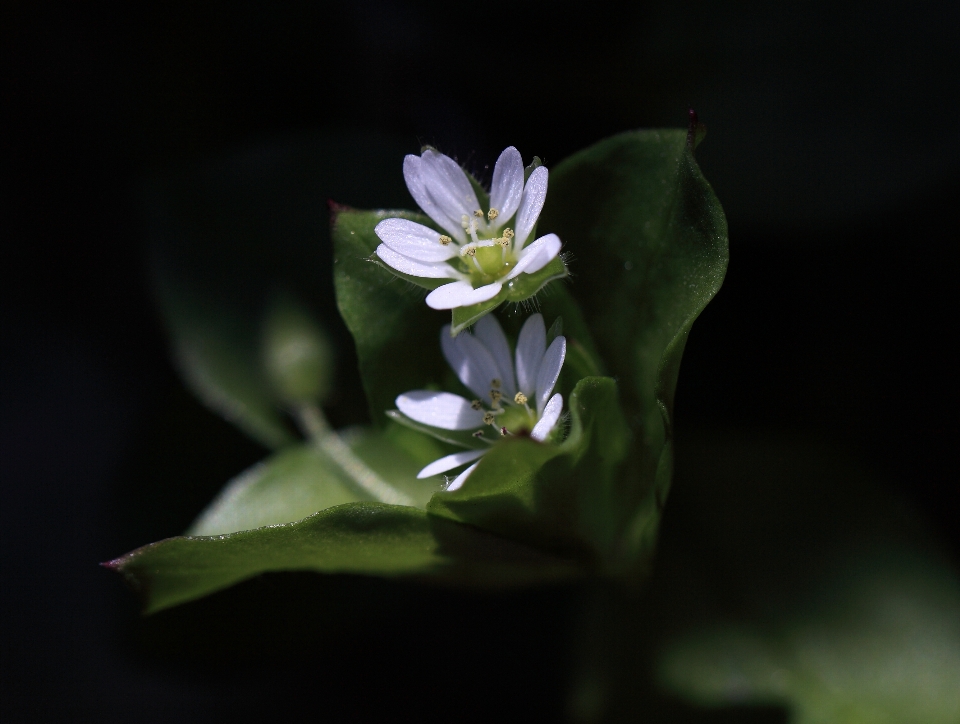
478 253
512 398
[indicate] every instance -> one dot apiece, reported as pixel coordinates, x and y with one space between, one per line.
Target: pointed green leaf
365 538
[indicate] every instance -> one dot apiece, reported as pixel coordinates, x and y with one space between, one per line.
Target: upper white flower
479 253
511 398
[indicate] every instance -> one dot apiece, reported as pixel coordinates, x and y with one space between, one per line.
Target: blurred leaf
649 241
296 353
555 497
788 576
226 237
365 538
301 480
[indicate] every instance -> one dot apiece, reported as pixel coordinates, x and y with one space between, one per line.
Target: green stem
315 426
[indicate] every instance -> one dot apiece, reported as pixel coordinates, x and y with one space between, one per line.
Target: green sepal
561 498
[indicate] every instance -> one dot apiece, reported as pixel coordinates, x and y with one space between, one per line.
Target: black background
832 143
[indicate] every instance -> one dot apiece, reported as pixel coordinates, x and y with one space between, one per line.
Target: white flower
478 253
512 399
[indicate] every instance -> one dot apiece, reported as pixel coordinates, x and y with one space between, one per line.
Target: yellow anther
488 418
478 213
495 395
520 398
476 405
492 214
444 239
508 233
468 251
495 383
503 241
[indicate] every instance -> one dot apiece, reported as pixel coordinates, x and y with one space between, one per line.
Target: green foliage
649 241
368 538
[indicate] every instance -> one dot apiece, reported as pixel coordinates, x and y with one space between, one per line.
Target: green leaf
555 497
364 538
650 243
301 480
395 332
226 237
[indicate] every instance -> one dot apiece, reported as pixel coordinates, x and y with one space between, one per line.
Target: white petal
413 175
414 240
450 462
551 413
550 370
461 294
471 362
426 269
530 346
448 186
490 333
536 256
534 194
461 478
440 409
507 186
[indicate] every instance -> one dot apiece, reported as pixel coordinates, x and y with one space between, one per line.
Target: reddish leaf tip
695 130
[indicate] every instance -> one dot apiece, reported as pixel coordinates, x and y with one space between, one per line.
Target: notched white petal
448 185
551 413
471 361
536 256
439 409
450 462
490 334
461 478
530 347
415 268
550 370
507 185
413 175
415 240
531 204
461 294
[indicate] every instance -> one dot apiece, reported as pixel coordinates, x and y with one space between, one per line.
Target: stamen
488 418
492 214
504 431
478 433
496 396
503 241
444 239
469 250
508 233
520 398
476 405
478 213
465 221
495 383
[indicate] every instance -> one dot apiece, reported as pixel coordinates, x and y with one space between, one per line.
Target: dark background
832 144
